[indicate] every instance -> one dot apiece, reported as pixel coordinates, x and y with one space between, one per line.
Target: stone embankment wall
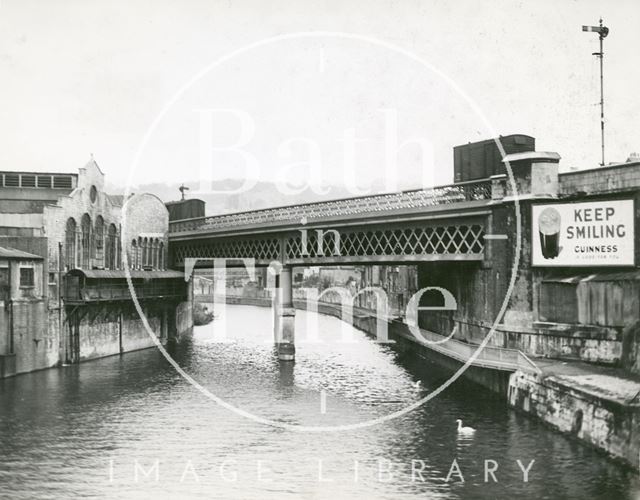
126 332
605 423
119 334
39 344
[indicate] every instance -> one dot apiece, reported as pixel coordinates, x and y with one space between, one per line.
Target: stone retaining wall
612 426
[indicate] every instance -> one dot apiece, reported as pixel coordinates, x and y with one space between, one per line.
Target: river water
131 427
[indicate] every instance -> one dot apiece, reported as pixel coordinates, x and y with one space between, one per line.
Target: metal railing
440 195
488 357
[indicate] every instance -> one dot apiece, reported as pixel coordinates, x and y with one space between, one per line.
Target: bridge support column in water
285 317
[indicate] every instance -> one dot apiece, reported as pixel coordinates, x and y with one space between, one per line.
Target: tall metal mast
602 31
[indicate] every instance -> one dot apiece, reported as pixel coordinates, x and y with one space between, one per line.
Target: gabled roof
93 163
12 253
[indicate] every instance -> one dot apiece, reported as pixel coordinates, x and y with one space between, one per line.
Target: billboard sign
598 233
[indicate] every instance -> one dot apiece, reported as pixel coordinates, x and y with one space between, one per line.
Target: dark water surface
87 431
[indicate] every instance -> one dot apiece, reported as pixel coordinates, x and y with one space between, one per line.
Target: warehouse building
72 231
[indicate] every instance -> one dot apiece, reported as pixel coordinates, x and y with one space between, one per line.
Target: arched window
161 256
118 258
111 247
133 257
151 250
139 255
145 252
85 242
70 243
98 236
154 263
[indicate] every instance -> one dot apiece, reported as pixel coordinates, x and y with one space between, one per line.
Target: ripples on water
79 431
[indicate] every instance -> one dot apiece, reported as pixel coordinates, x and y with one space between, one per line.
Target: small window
27 277
28 181
12 180
62 182
52 278
93 194
44 181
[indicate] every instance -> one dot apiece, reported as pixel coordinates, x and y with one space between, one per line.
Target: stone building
84 237
23 314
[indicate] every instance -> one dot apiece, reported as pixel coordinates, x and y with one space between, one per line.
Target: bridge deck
442 198
440 223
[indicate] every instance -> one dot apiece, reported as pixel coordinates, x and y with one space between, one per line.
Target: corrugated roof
12 253
122 274
631 275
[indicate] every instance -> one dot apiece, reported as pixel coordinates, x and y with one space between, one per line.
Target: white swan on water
464 430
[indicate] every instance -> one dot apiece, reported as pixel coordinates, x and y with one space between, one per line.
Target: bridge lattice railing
440 195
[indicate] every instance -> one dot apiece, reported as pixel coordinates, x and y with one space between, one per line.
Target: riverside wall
43 338
126 332
604 421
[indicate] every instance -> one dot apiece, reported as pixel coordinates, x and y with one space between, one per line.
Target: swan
464 430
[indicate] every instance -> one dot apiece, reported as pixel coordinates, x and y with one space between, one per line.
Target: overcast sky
82 77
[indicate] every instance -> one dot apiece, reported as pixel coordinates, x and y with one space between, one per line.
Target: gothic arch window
139 257
145 252
161 256
111 248
85 242
154 264
118 254
70 243
133 258
98 248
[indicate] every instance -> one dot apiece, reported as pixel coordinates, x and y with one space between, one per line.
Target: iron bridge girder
442 240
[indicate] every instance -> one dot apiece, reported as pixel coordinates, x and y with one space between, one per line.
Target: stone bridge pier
284 316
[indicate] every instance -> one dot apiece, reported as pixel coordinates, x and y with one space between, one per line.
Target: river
131 427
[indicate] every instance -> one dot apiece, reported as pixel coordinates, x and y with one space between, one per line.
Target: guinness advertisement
583 234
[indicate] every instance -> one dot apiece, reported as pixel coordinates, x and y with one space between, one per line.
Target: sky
356 93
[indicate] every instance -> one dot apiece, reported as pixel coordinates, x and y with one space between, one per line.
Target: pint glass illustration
549 229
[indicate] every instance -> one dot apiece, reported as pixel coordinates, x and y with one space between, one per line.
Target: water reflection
95 429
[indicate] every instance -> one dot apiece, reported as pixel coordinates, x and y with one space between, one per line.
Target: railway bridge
461 236
451 224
